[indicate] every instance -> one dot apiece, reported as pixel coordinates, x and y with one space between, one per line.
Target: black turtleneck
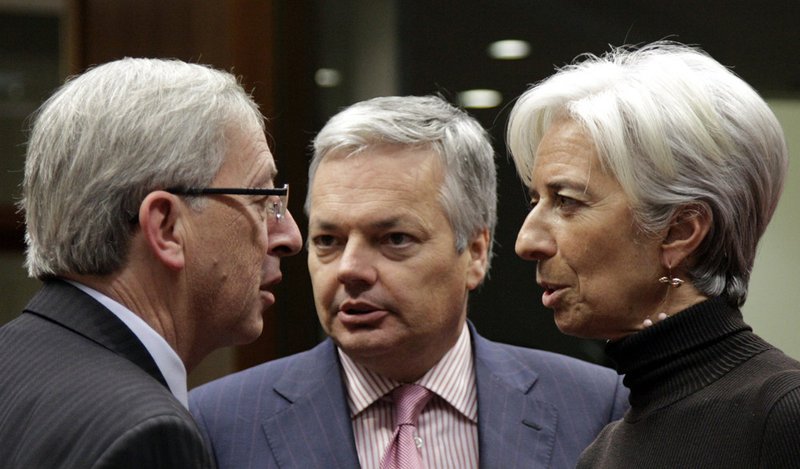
705 392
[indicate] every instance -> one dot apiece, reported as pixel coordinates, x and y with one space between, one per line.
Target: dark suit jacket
78 389
535 410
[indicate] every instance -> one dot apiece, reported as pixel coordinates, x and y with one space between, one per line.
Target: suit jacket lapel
514 429
62 303
313 428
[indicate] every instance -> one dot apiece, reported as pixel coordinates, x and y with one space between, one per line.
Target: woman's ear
161 223
690 226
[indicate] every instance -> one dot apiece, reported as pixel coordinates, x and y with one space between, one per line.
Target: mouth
359 314
269 282
357 311
357 308
552 294
265 289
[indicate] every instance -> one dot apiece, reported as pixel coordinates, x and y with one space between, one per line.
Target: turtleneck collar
683 353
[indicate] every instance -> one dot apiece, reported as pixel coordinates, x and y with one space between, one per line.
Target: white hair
105 140
469 191
676 129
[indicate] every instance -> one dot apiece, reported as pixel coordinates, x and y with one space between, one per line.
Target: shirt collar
452 379
163 354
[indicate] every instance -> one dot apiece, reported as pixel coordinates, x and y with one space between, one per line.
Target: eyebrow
379 224
561 182
272 171
269 176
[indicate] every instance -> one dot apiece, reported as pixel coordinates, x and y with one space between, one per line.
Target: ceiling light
480 98
327 77
509 49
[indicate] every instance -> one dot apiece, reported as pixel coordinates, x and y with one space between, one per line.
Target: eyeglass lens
276 208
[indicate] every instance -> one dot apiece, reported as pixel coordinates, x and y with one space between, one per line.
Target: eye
323 241
261 203
398 239
562 201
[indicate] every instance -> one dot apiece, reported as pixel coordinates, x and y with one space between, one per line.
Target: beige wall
773 305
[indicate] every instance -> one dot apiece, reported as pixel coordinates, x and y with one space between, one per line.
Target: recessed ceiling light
480 98
327 77
509 49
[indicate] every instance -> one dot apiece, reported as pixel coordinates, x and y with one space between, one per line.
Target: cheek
260 240
315 273
323 285
587 258
620 277
596 263
446 287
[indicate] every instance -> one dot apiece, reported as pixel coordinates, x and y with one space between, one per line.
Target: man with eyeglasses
402 210
155 226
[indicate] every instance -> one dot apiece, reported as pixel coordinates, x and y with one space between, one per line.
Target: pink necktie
409 399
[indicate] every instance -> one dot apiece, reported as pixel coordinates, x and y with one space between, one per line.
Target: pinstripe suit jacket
535 410
79 390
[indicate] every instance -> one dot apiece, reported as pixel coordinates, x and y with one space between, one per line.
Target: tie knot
409 400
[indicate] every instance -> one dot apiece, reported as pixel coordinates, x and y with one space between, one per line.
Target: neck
148 298
677 298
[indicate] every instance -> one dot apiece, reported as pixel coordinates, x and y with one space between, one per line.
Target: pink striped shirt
448 426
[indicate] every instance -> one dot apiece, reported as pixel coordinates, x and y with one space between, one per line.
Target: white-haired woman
653 172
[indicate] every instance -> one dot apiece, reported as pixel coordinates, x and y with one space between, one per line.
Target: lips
552 293
549 286
271 281
357 312
266 288
357 308
360 314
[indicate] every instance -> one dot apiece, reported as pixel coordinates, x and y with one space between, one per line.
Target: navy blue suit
535 409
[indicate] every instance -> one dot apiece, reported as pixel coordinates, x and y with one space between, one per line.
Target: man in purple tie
402 210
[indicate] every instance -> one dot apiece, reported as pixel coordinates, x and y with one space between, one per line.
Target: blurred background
306 59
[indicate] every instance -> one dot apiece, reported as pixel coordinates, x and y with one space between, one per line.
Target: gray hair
105 140
469 192
676 129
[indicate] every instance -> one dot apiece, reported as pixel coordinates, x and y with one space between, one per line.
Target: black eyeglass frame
200 191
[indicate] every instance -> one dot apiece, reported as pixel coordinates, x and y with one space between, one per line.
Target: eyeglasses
275 206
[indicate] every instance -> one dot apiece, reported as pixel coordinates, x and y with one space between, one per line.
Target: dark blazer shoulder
83 403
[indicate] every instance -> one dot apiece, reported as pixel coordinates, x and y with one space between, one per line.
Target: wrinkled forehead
249 158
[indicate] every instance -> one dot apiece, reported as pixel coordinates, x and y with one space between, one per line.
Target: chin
363 344
573 328
250 332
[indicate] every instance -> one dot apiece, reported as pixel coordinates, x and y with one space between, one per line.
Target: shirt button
418 441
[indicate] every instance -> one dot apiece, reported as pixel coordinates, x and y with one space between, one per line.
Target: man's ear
160 220
478 249
690 226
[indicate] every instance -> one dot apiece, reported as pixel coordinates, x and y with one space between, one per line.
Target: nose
535 242
356 266
284 237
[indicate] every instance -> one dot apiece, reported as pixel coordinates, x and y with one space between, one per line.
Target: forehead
567 158
390 166
248 157
377 182
566 148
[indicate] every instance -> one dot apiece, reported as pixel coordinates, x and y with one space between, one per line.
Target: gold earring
674 281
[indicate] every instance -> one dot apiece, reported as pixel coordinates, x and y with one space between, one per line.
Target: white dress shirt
447 430
163 354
